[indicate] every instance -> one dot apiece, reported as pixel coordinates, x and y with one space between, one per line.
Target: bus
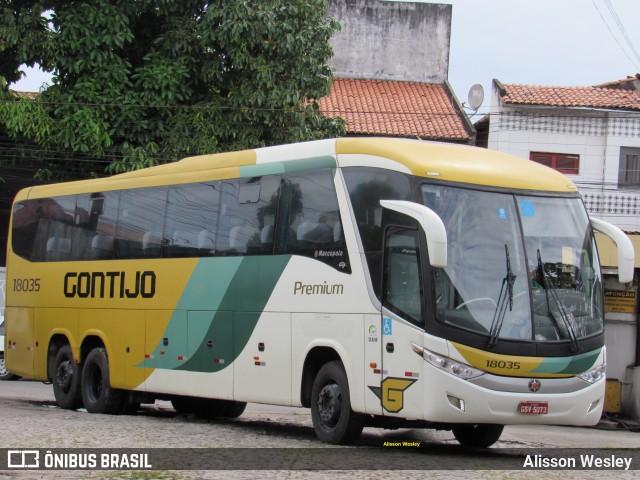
380 282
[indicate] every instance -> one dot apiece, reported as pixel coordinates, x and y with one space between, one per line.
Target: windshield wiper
505 298
548 286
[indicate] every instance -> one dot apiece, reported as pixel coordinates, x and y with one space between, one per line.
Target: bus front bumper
514 401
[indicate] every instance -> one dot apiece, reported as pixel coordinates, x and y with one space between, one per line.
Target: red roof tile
594 97
394 108
19 94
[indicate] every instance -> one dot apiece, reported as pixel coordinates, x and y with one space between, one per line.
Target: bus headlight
595 374
459 369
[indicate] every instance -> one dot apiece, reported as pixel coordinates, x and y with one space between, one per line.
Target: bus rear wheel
66 380
477 436
97 394
333 419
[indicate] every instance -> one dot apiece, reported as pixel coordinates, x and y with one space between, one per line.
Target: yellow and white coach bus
380 282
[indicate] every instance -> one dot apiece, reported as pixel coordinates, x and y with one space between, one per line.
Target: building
391 61
591 134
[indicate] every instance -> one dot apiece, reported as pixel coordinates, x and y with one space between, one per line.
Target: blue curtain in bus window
192 220
248 209
141 215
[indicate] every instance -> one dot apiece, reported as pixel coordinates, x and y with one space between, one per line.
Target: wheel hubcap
330 404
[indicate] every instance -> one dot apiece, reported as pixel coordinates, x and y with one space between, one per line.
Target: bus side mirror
626 254
432 225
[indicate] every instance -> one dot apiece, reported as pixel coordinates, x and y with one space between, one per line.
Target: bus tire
97 394
478 436
182 405
333 419
235 409
210 408
66 380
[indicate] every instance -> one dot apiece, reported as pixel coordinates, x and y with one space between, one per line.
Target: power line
620 26
636 65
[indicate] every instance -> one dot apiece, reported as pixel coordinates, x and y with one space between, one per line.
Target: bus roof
461 163
441 161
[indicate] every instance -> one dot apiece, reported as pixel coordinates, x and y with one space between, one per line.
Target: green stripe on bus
568 365
225 298
247 295
315 163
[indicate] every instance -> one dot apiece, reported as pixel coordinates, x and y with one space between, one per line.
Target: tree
145 82
24 39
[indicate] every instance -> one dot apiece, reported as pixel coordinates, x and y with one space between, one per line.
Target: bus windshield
519 267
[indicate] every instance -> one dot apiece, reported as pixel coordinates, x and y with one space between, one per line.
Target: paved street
31 420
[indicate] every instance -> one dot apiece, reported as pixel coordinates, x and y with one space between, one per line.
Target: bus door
402 324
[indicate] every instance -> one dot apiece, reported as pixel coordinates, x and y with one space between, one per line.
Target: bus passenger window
56 229
247 215
140 221
26 217
192 220
100 224
309 219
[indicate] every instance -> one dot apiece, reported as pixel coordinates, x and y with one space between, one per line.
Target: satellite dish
475 96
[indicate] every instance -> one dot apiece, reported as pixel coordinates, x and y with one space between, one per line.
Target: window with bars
562 162
629 171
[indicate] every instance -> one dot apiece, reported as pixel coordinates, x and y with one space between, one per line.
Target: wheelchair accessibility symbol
386 326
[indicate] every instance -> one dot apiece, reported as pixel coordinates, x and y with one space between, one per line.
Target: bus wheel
477 436
333 419
235 409
97 394
66 380
182 405
210 408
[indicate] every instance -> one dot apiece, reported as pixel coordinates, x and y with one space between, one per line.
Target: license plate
533 408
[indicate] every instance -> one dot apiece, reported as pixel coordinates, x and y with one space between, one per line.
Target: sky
535 42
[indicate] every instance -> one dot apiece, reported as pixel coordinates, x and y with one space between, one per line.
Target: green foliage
24 38
138 83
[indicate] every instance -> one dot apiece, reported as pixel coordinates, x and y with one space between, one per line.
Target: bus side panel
262 371
344 333
373 356
164 377
210 351
135 332
19 339
49 322
125 331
